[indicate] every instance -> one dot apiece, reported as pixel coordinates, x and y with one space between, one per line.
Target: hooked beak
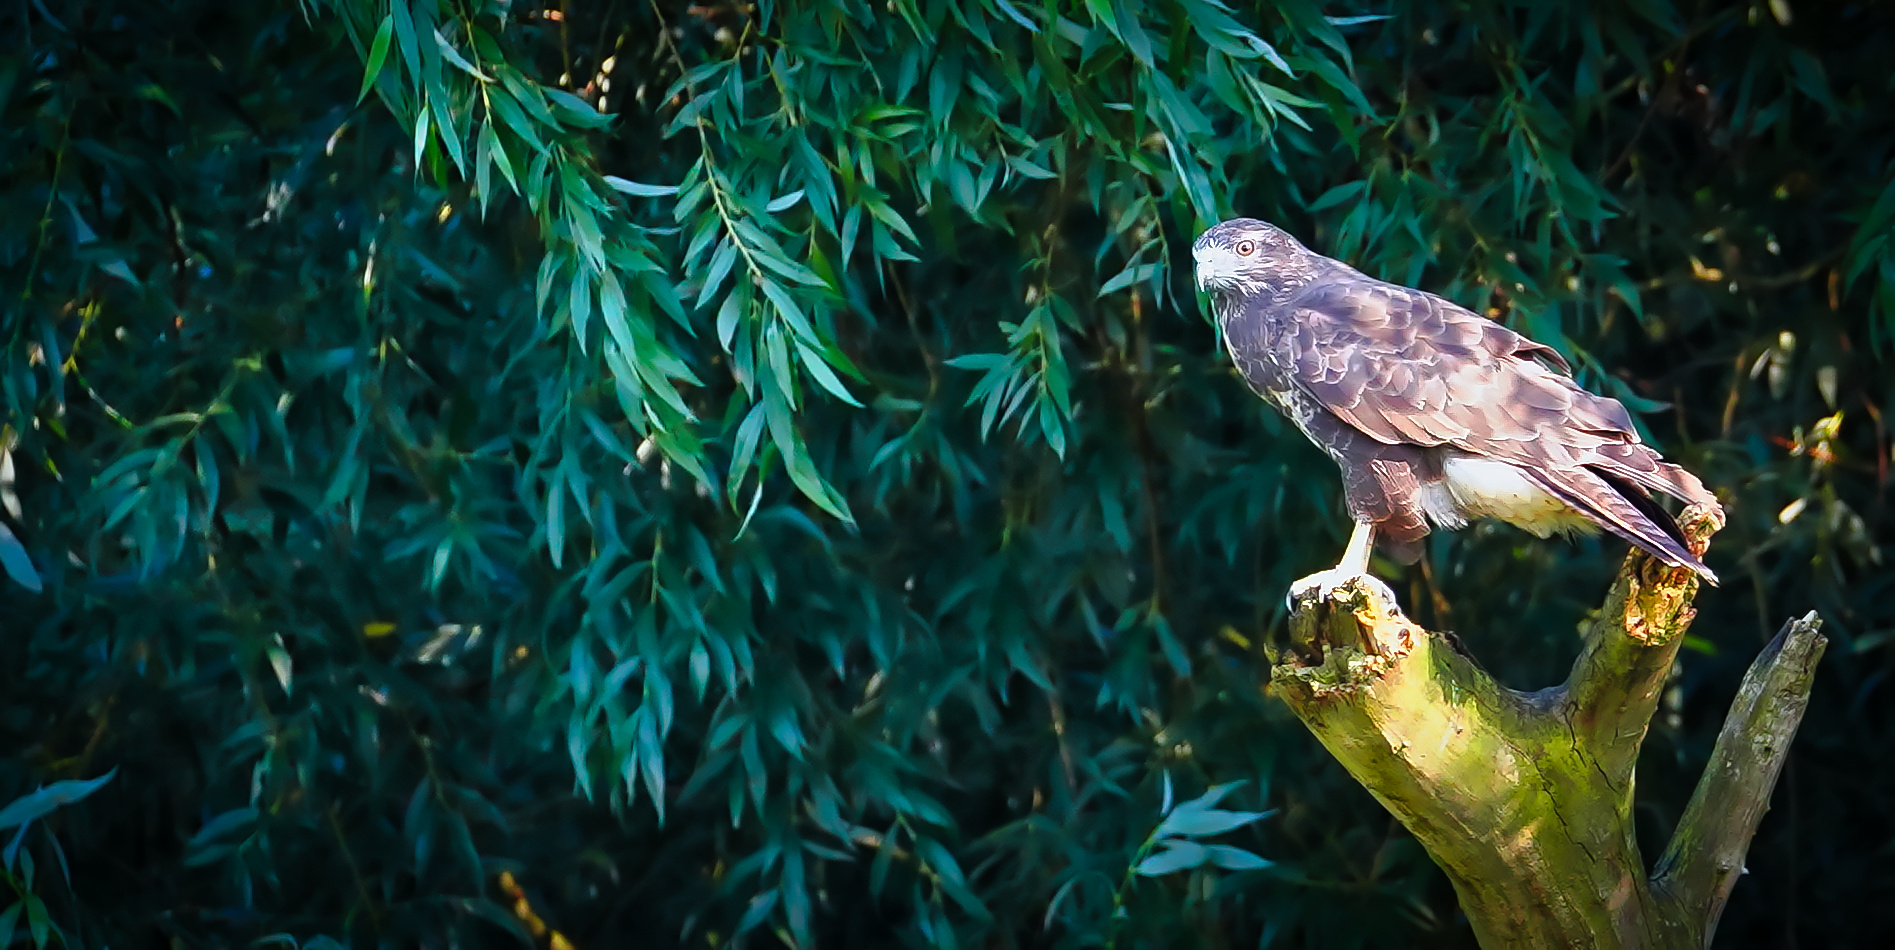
1211 267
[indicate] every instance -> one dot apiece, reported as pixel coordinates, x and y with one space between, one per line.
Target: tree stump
1525 799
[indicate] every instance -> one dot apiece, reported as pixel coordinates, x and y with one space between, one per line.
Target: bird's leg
1355 557
1355 564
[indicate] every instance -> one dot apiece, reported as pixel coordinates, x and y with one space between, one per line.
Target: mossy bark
1525 799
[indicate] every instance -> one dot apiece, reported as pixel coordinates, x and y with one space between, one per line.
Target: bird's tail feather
1627 512
1639 465
1646 506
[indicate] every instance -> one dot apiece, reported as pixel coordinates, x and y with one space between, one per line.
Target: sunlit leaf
1176 856
13 559
377 55
42 802
640 189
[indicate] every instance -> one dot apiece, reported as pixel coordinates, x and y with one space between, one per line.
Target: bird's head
1248 256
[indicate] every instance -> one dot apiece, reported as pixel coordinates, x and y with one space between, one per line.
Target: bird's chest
1256 346
1259 347
1303 412
1258 341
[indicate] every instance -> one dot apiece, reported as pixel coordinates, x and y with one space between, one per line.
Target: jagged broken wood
1525 799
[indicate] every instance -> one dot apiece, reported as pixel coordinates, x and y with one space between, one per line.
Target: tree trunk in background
1525 799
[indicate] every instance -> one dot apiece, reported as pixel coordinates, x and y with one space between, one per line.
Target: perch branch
1480 774
1629 650
1525 799
1706 854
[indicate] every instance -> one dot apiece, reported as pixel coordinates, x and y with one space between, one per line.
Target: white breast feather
1484 488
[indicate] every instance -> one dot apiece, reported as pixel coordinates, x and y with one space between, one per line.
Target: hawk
1437 416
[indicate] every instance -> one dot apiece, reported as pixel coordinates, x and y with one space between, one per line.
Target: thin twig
46 214
711 173
355 870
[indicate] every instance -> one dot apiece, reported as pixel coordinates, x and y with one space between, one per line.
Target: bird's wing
1407 367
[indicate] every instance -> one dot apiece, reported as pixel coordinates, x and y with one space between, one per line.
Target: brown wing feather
1405 366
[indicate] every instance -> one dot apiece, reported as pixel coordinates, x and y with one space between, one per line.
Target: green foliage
1182 826
17 866
759 474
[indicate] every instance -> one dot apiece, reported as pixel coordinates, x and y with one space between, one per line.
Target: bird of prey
1437 416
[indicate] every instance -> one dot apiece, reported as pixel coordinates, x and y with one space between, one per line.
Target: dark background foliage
705 474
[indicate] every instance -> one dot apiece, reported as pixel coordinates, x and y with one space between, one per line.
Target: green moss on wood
1525 799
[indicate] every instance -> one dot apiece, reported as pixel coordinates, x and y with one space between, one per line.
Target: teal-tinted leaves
38 921
947 874
612 308
570 110
14 560
722 260
1807 72
787 308
402 16
514 119
1034 368
1212 21
579 306
454 56
640 189
583 224
377 55
421 138
795 454
1872 233
1178 855
44 801
785 202
1347 191
881 210
10 918
1028 167
1132 274
1124 26
446 123
1198 818
818 366
212 842
1611 274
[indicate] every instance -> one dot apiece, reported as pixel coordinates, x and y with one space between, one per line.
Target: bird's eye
1246 247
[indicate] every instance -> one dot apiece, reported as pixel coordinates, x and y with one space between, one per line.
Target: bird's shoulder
1376 319
1406 366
